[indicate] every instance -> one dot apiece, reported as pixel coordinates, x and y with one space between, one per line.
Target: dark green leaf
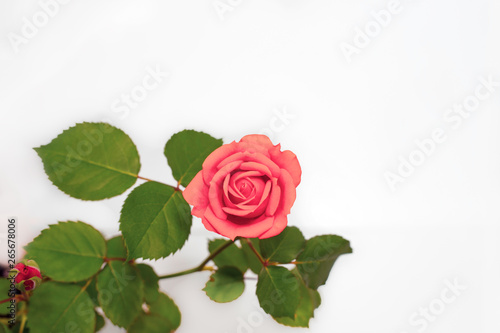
278 291
91 289
121 291
68 251
116 248
91 161
150 279
155 221
165 307
3 328
318 257
253 262
186 151
225 285
57 307
149 323
284 247
99 323
309 301
231 256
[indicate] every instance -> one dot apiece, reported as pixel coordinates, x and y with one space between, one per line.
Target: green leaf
284 247
166 308
253 262
91 289
231 256
155 221
68 251
225 285
149 323
99 323
278 291
318 257
309 301
186 151
121 292
91 161
58 307
116 248
3 329
150 279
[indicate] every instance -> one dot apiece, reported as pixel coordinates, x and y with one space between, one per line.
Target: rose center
245 187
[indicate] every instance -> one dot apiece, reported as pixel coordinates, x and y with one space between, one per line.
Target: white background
230 74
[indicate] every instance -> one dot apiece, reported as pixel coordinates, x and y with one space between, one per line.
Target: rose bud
26 275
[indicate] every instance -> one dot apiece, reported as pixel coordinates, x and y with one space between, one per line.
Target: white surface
351 122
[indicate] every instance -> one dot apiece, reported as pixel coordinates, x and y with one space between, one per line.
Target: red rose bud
27 275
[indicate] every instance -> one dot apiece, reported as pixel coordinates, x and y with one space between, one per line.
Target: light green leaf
91 161
58 307
151 286
165 307
116 248
319 255
284 247
278 291
253 262
231 256
225 285
309 301
120 292
68 251
155 221
186 151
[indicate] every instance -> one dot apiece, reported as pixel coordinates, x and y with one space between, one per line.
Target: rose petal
280 222
257 139
253 228
274 199
288 161
215 190
196 194
288 192
207 225
211 162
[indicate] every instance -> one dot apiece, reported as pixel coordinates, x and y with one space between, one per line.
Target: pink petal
274 199
196 194
215 189
280 222
288 161
253 228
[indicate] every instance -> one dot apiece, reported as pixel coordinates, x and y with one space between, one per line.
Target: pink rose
245 188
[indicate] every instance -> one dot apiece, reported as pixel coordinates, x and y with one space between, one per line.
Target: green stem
254 250
151 180
144 178
202 266
24 318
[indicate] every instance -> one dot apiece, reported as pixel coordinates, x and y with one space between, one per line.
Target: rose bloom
245 188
